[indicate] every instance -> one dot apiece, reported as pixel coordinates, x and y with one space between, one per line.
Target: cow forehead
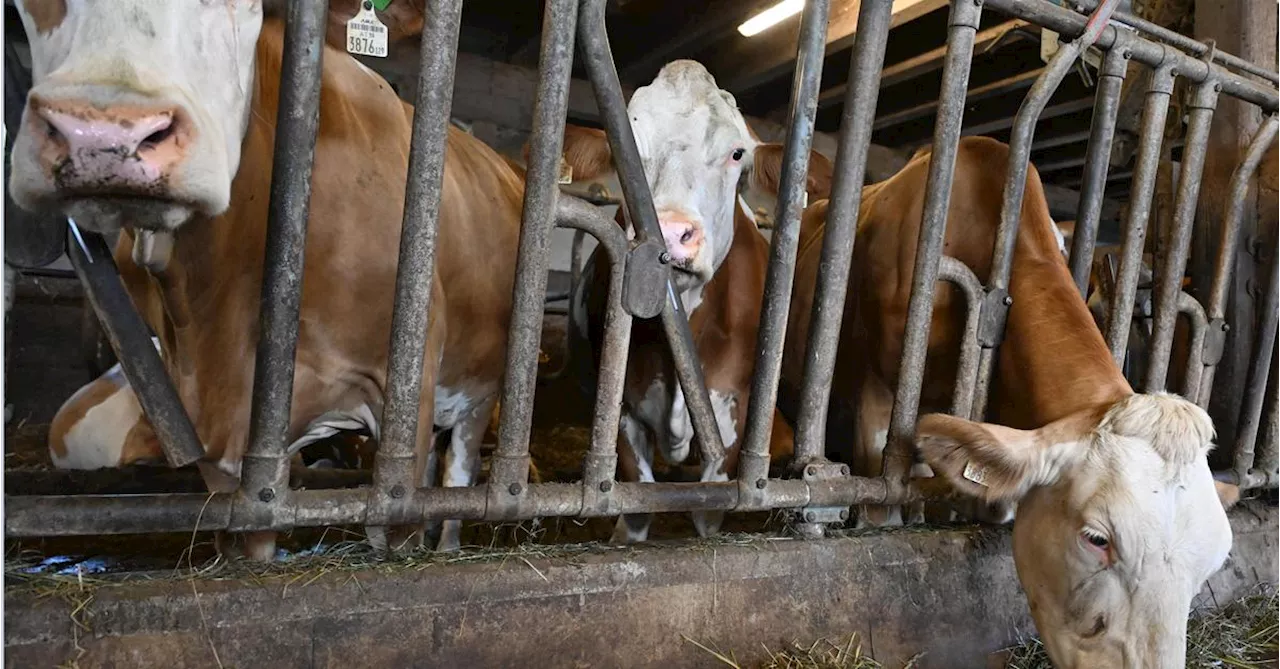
683 106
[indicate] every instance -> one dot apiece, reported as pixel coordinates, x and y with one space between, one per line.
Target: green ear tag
381 5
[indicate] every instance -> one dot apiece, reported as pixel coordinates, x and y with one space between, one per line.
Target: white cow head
697 152
138 108
1118 523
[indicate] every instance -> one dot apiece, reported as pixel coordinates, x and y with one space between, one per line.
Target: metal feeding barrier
640 285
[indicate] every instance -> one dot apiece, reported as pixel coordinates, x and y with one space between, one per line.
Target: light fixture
770 17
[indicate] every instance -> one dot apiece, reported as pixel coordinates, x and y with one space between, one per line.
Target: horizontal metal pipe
1259 372
838 237
973 95
80 515
1070 25
776 301
1168 284
132 343
1102 130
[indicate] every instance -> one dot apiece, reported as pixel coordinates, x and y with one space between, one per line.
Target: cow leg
462 462
875 407
708 522
635 458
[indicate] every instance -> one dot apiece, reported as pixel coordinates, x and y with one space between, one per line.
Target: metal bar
976 94
131 340
1060 165
838 238
1070 25
959 274
1185 43
639 206
79 515
962 26
1024 127
786 234
931 60
1051 112
1259 373
265 469
1224 268
601 461
1102 130
1199 326
1265 467
509 469
415 272
1062 140
1168 285
1144 184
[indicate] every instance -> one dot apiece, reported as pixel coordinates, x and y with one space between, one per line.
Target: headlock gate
640 284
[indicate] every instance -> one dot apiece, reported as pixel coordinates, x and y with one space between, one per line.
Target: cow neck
1053 361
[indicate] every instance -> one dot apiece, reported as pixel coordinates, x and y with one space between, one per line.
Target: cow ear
404 19
993 462
587 152
766 172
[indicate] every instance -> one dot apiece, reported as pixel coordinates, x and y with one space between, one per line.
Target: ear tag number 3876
366 35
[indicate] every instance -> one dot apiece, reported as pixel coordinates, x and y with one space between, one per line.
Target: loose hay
1240 635
821 654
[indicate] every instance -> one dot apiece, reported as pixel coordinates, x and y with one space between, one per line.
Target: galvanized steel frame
640 284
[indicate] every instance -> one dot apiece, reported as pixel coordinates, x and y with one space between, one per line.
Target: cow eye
738 153
1096 540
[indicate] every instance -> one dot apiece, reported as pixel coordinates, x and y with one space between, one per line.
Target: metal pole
639 206
1199 328
962 27
415 271
265 470
1102 129
841 226
509 470
1144 184
1168 285
1264 348
1225 266
131 340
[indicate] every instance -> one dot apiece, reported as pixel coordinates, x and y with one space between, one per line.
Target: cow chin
107 215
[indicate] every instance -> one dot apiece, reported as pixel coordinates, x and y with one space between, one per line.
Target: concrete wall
951 595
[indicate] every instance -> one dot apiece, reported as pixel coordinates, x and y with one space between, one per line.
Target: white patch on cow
1062 239
638 441
97 440
359 419
453 404
679 430
746 210
462 461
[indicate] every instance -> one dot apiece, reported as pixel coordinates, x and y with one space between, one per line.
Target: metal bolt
1226 327
606 486
1128 53
1217 88
665 258
266 494
810 471
844 514
844 470
810 516
1008 300
515 488
761 483
397 491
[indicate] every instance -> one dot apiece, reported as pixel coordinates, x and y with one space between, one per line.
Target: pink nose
113 148
683 238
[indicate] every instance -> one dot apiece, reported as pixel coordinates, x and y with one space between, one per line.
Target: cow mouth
108 212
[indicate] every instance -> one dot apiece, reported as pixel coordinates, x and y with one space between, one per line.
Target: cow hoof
707 522
450 537
630 530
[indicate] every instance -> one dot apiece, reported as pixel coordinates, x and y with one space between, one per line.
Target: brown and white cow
697 154
1118 519
157 116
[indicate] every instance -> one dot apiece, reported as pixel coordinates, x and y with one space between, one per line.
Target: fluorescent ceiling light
770 17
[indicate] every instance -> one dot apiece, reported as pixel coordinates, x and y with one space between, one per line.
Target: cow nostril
158 137
687 236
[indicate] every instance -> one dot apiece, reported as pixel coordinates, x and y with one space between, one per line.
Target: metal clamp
644 285
992 318
825 471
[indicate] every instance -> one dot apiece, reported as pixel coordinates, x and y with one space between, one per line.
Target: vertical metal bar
786 237
131 340
1144 185
956 272
842 222
639 206
1168 285
1265 466
510 466
415 273
962 26
1199 327
1102 129
1225 266
1264 348
265 472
